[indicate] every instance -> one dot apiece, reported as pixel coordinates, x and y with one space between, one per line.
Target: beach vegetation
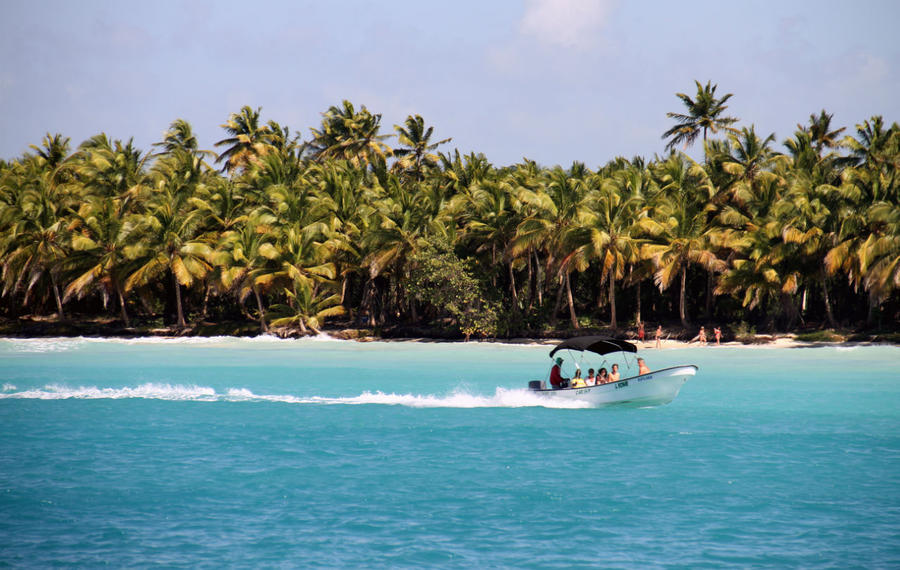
392 230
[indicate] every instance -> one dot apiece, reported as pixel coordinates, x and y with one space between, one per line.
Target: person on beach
701 337
614 373
718 332
556 378
641 331
658 336
602 377
591 381
642 367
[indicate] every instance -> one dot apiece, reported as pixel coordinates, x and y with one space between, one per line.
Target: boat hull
654 389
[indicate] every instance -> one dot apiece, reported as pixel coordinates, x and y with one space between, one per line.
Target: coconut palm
306 308
100 241
554 209
608 231
248 139
414 157
36 243
169 244
703 115
351 135
247 255
820 133
680 228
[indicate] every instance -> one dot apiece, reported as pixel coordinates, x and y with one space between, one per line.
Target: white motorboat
650 389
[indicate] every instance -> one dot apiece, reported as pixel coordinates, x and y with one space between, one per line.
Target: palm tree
680 228
100 242
762 271
169 244
35 245
608 230
248 259
820 132
704 114
351 135
415 156
306 308
557 206
750 162
247 142
490 215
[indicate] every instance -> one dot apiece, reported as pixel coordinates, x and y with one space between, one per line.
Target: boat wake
502 397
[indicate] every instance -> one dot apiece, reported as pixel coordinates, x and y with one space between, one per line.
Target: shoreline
674 337
785 340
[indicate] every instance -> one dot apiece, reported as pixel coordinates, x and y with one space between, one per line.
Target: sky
549 80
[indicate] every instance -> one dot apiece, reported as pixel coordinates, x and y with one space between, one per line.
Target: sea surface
319 453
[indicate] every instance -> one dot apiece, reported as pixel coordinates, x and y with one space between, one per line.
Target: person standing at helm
556 379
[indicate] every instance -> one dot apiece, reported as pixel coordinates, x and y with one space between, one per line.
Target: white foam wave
150 391
7 387
502 398
45 344
61 344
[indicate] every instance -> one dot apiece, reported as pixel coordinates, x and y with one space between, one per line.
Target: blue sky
550 80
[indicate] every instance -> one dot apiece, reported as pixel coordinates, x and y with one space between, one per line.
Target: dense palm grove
386 230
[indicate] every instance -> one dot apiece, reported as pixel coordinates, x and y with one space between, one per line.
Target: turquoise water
227 452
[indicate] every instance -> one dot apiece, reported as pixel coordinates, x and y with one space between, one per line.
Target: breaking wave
502 397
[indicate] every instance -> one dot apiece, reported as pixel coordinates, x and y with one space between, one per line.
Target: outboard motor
536 385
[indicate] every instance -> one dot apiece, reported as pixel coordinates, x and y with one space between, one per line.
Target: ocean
263 452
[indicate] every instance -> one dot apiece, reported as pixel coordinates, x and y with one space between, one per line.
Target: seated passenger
602 377
614 374
590 381
577 380
642 367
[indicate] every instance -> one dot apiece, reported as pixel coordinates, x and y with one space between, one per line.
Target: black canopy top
598 344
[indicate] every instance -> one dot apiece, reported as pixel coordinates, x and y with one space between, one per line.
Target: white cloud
566 23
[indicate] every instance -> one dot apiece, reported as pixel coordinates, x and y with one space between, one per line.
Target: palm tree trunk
493 265
612 302
530 282
262 311
512 286
873 306
178 311
122 304
537 280
828 311
681 298
205 308
60 316
637 316
709 297
559 292
571 302
790 310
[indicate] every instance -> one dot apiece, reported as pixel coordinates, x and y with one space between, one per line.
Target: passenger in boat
642 366
577 380
614 373
590 381
602 376
556 379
